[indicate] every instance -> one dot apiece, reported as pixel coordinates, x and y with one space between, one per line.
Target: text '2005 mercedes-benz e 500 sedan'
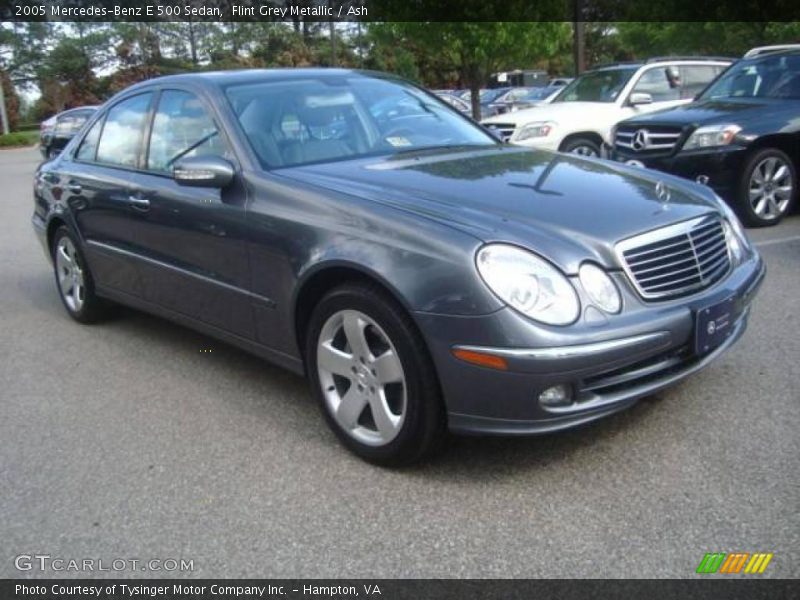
423 275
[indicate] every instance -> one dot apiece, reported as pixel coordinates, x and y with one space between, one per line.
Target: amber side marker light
481 359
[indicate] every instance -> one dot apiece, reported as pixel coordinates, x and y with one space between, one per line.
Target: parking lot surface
138 439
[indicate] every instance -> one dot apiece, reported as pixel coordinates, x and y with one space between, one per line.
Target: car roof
245 76
711 60
771 50
75 109
772 53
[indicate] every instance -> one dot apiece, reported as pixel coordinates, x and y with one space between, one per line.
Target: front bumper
608 366
722 166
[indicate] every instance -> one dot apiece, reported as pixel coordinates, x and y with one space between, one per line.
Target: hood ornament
663 194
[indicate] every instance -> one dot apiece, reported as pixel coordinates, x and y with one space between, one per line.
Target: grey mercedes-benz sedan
423 275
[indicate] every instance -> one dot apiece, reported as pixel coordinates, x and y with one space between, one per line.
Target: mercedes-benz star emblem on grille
641 139
662 192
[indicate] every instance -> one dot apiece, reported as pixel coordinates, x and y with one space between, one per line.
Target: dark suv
741 136
66 125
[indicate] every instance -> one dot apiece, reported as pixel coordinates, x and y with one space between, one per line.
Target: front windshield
538 94
490 95
301 121
597 86
770 77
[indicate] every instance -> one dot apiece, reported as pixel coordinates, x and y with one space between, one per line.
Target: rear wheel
371 372
767 189
74 280
583 146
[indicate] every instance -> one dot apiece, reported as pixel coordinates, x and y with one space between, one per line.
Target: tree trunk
192 43
333 42
579 39
475 97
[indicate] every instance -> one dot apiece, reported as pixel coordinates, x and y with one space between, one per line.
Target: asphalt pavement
131 440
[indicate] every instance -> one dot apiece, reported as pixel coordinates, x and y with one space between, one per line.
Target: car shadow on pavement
263 389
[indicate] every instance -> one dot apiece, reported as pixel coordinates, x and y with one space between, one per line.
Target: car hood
722 110
565 207
553 111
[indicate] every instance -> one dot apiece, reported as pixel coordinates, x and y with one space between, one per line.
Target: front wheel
372 374
767 189
582 147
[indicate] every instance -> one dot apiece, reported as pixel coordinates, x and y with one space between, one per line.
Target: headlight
528 284
600 288
734 244
534 130
712 136
737 238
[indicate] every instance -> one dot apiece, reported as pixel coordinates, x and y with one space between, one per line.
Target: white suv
580 119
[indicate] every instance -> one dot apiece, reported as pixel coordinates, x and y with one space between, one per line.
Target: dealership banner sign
416 589
394 10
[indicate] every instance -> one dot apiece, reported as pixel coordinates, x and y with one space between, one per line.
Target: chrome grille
677 260
506 130
644 139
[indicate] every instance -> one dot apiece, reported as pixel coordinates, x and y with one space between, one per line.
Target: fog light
558 395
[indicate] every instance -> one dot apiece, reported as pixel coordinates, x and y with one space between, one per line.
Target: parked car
741 137
453 100
55 132
581 117
534 97
501 103
422 274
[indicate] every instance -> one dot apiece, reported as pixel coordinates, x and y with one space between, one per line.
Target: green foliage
465 53
84 63
19 138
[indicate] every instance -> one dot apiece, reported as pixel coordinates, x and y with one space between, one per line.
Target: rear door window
88 148
121 140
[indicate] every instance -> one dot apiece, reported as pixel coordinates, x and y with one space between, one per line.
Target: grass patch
19 138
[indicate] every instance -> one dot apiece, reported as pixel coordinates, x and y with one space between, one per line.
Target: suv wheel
74 280
767 189
582 146
373 376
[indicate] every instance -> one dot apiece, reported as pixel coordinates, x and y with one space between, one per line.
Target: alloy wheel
770 188
362 378
70 275
584 151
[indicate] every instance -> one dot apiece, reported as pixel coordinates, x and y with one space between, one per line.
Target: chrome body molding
564 352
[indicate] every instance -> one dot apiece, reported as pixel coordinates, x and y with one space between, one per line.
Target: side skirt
280 359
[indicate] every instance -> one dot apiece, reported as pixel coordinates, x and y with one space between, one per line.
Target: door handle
75 188
139 203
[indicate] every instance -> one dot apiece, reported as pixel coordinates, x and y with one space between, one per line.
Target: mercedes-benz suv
741 136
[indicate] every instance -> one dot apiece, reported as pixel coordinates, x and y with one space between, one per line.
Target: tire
386 408
74 280
768 188
583 146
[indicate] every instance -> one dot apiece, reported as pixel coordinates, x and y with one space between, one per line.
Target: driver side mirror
640 98
203 171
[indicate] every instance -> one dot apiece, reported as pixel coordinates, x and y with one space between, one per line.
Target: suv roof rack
761 50
697 58
616 64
